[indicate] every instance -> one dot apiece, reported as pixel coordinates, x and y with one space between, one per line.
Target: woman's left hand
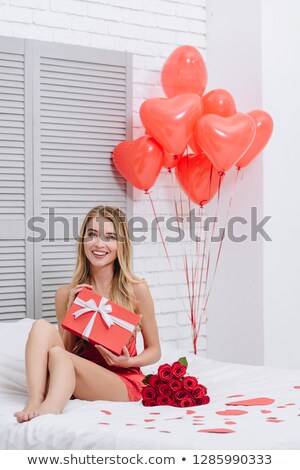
111 359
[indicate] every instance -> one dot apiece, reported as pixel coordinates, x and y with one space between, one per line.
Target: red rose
199 391
165 372
175 385
148 393
189 382
154 381
188 401
181 395
164 400
149 402
178 369
205 400
164 389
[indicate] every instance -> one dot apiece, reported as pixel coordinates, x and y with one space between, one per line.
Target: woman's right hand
75 291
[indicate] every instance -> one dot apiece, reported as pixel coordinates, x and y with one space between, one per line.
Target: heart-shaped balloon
139 161
184 72
171 121
264 129
170 161
224 140
198 178
192 143
220 102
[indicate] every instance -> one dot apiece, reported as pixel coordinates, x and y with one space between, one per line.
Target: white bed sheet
86 425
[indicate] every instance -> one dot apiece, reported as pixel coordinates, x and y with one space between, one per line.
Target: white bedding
83 425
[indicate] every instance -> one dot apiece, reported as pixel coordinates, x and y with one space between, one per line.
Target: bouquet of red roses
171 386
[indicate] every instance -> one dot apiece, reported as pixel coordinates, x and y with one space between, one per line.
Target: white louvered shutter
16 283
80 100
81 104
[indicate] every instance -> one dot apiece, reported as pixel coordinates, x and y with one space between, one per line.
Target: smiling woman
60 365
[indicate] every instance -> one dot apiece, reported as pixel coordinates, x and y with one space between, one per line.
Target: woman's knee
56 350
41 323
43 329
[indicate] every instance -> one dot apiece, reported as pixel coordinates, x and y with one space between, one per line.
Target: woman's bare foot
30 410
47 408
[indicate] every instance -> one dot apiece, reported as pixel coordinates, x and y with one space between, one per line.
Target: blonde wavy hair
121 291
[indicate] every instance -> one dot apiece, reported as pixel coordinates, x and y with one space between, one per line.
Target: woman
60 365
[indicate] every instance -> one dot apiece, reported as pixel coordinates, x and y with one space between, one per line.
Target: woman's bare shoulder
141 291
62 291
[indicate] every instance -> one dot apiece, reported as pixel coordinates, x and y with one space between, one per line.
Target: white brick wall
150 30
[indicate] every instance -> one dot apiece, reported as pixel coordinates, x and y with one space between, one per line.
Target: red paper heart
217 430
171 121
198 178
231 412
224 140
106 412
139 161
252 402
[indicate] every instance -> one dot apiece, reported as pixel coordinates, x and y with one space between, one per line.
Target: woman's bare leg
42 337
62 381
74 375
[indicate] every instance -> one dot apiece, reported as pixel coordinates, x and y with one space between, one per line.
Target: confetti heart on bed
106 412
217 430
235 396
231 412
252 402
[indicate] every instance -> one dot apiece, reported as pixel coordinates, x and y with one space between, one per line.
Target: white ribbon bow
104 310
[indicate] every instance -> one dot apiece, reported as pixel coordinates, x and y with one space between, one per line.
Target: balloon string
196 273
221 243
157 223
185 257
221 174
201 275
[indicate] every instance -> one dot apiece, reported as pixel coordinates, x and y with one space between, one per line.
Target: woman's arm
145 306
61 299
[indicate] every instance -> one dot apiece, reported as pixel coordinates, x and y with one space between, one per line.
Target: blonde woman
60 365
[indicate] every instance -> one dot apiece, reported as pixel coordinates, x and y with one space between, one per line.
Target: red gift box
100 321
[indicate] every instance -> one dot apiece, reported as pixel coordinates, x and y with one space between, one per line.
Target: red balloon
170 161
192 143
139 161
220 102
184 72
224 140
171 121
264 129
198 178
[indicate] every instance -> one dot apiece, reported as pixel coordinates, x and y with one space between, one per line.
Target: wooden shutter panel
16 286
81 103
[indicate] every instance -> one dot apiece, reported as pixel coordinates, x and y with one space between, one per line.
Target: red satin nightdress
131 376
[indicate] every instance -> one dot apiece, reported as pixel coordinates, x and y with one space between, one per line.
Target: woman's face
100 242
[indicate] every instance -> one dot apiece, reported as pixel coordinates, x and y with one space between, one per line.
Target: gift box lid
113 337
